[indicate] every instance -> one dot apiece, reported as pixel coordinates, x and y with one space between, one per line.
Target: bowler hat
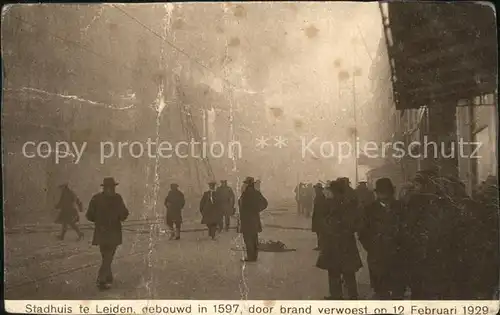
109 181
384 185
249 180
212 183
174 185
345 180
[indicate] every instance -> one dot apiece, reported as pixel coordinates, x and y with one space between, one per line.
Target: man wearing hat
431 222
348 190
174 203
107 210
226 200
251 203
339 253
380 235
209 208
364 195
68 215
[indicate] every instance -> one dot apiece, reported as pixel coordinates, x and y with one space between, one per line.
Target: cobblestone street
149 266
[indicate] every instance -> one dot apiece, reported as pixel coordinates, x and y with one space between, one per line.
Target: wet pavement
150 266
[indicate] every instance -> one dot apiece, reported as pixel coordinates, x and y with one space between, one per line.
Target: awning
440 52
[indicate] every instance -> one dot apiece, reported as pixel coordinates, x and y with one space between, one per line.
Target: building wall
382 119
478 124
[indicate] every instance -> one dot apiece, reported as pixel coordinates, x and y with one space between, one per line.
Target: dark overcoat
380 235
339 251
365 196
174 203
319 211
428 243
107 212
226 199
209 208
67 205
251 204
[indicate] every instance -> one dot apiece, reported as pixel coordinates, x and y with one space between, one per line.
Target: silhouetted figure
251 203
298 193
339 253
352 200
107 210
174 203
428 246
226 201
68 214
319 212
210 210
365 196
380 236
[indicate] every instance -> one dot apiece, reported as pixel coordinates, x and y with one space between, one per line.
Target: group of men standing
436 241
107 211
217 205
304 197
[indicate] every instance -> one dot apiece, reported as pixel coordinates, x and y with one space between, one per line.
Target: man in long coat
380 236
251 203
107 210
68 215
226 199
339 253
365 196
428 238
174 203
319 212
210 210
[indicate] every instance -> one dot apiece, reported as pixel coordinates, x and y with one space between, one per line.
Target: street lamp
344 76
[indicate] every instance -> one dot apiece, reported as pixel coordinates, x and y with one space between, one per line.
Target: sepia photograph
250 151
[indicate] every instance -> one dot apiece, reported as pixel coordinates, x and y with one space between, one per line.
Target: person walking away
226 199
319 213
174 203
107 210
251 204
380 236
68 214
428 239
339 253
210 211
